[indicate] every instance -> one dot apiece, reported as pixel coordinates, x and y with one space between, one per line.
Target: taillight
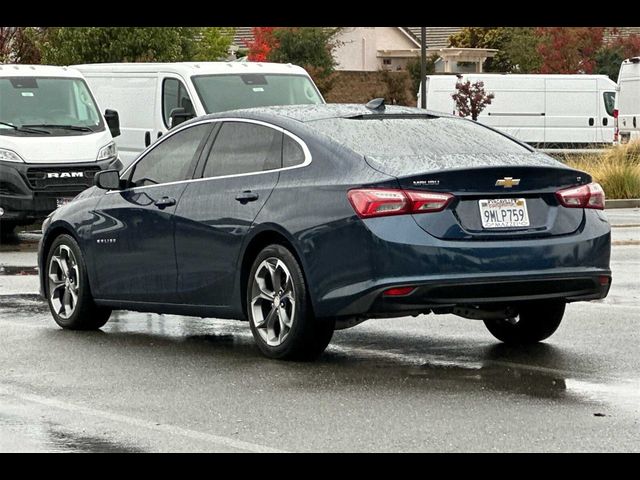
584 196
615 113
379 202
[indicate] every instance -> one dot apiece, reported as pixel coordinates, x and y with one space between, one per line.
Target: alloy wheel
273 301
64 281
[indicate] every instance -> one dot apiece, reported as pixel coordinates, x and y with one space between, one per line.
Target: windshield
219 93
53 106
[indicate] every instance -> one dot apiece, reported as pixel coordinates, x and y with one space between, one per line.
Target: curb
626 203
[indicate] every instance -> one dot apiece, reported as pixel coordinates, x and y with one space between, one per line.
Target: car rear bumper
26 198
448 273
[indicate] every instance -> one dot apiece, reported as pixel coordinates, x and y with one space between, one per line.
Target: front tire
279 310
536 322
67 288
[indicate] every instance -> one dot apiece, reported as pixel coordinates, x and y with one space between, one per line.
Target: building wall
356 49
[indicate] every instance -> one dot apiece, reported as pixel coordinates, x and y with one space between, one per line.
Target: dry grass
617 170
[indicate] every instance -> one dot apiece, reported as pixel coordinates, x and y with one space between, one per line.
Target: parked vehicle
627 105
303 219
153 97
545 111
53 139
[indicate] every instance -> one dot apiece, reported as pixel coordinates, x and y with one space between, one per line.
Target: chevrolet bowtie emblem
507 182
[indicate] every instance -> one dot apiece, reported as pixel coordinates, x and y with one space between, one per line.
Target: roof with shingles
437 37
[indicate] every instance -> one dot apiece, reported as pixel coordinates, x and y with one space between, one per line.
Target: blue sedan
307 219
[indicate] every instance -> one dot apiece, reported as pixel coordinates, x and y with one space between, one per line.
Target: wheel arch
48 238
266 235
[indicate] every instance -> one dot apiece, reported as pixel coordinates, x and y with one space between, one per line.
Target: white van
546 111
627 108
153 97
53 139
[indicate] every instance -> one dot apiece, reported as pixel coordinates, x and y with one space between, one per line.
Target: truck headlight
108 151
10 156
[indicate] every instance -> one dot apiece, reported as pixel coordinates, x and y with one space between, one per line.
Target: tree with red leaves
471 98
262 44
569 49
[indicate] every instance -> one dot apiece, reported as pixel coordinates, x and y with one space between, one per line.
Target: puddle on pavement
11 270
80 443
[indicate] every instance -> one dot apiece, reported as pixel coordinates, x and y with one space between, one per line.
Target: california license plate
504 213
62 201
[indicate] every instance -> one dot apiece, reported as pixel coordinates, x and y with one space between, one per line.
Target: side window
244 148
172 159
609 102
292 153
174 95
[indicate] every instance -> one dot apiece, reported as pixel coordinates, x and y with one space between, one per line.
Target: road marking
137 422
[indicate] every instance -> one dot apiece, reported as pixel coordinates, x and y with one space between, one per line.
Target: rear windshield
402 137
219 93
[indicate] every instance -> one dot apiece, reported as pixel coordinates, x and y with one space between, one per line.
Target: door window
609 102
174 95
292 153
244 148
171 160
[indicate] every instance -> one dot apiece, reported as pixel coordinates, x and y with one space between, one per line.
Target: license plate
62 201
504 213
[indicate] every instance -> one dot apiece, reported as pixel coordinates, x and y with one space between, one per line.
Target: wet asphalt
157 383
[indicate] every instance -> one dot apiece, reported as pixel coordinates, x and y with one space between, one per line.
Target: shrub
617 170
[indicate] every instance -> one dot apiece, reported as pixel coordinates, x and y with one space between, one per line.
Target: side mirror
113 122
178 116
107 180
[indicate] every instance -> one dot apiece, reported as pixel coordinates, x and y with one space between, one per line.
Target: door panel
571 111
240 171
210 228
134 247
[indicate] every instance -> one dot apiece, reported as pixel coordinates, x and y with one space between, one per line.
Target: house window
386 61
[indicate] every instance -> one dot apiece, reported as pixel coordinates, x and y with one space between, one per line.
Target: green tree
413 67
69 45
310 47
214 43
521 50
486 37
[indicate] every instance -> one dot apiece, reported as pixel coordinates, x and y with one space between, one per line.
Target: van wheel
535 322
67 288
280 314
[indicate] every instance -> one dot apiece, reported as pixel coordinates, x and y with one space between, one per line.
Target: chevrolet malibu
307 219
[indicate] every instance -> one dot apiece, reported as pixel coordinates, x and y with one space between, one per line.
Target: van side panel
571 111
134 97
518 107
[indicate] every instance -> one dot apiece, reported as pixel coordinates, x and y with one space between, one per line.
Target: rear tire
279 310
67 288
536 322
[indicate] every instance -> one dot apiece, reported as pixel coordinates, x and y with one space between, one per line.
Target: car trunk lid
484 187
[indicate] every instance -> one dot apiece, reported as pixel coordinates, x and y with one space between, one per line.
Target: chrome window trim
298 140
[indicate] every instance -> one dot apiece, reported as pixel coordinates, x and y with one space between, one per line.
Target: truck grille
61 179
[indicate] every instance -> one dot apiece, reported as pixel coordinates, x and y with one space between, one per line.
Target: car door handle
591 122
605 121
247 196
165 202
147 139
